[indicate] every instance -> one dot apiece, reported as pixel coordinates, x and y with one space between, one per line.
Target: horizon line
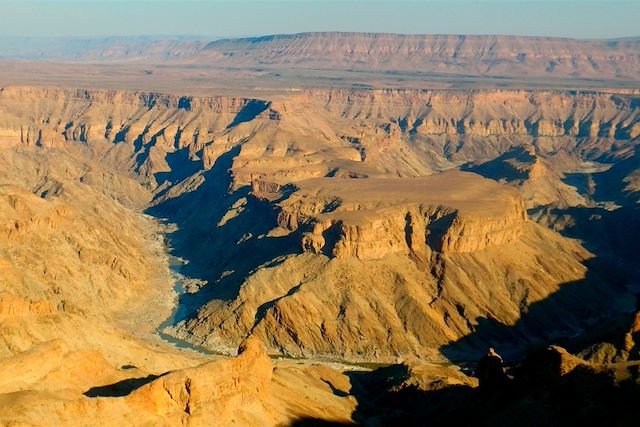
159 37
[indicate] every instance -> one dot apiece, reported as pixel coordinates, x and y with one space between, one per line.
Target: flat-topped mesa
453 212
471 55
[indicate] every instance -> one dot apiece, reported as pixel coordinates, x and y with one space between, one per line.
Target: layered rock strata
450 213
324 212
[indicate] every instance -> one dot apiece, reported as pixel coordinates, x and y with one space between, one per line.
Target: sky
238 18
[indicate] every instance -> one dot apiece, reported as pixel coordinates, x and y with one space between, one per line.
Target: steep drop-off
296 233
314 134
84 282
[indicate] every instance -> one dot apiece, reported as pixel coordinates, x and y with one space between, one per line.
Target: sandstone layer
244 391
285 206
367 219
314 134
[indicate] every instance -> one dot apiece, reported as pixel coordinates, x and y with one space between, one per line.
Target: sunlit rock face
358 225
448 213
321 221
302 210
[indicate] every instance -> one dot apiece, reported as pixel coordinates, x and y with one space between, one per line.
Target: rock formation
539 184
450 55
475 55
323 223
368 219
550 386
244 391
260 188
314 134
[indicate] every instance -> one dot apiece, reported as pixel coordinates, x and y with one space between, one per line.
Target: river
179 311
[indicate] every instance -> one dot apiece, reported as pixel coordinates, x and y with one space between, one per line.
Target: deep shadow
558 319
250 111
610 234
501 168
610 184
318 422
331 237
119 389
334 390
181 167
223 256
538 393
611 229
184 103
605 296
437 229
121 135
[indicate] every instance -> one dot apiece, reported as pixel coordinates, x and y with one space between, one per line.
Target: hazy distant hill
483 55
97 48
447 54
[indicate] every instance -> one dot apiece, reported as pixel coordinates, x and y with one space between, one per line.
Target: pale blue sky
216 18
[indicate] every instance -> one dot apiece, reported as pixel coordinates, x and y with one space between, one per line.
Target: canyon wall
315 134
450 213
329 208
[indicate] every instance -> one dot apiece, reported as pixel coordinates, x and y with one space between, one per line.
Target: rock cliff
166 138
284 206
245 390
449 213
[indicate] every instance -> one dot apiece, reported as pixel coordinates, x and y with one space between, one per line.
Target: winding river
178 311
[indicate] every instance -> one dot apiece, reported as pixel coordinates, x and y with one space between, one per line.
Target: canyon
318 232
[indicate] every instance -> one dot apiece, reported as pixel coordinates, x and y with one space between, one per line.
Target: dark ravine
320 229
224 168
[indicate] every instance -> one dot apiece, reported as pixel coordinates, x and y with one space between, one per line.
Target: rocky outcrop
246 390
538 182
52 366
483 113
234 390
402 303
369 219
319 221
88 271
322 223
550 364
132 131
165 139
550 386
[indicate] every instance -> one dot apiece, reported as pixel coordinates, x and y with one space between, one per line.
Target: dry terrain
347 235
